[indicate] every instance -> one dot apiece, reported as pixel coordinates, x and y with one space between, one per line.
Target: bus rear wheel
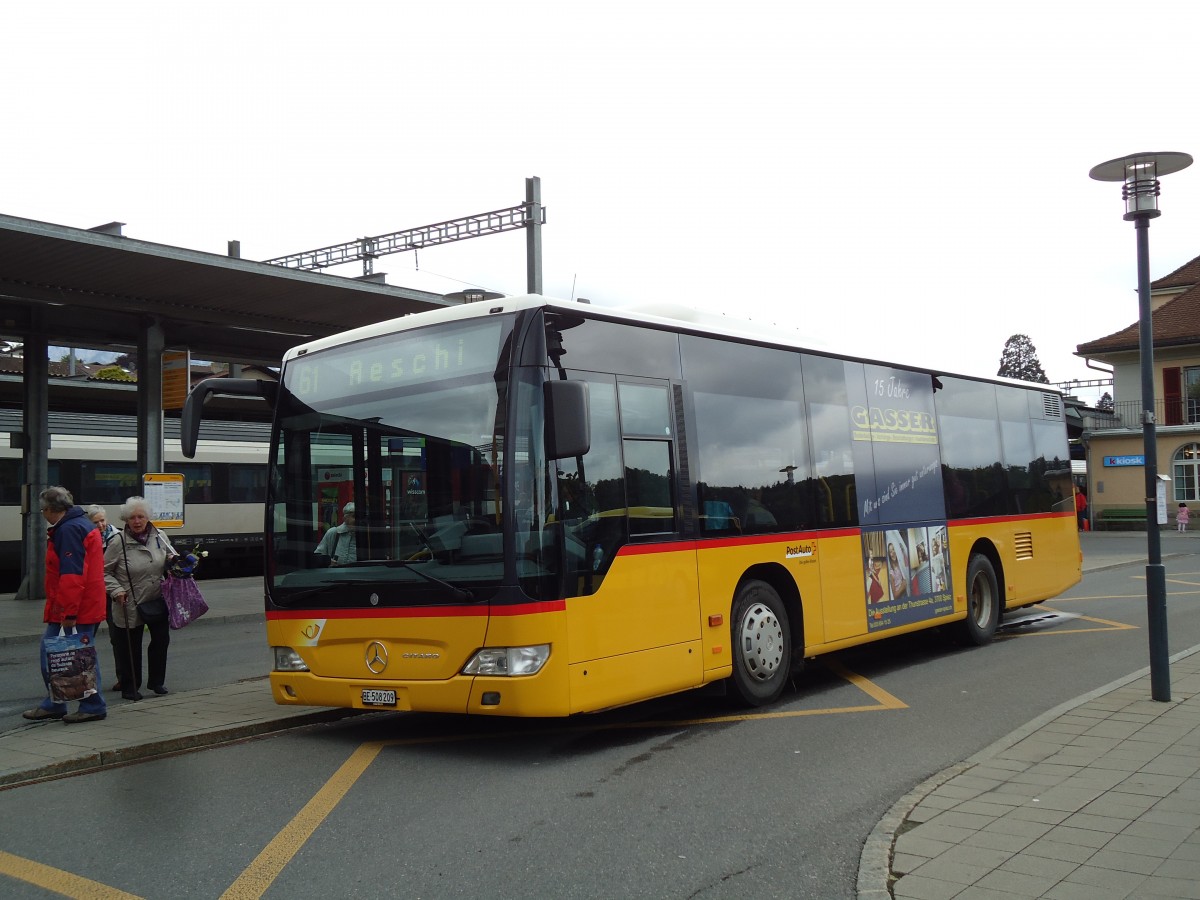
983 601
762 643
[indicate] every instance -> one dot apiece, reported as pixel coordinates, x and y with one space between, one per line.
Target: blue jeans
92 704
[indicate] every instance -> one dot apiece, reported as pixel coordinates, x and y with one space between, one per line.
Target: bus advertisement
562 508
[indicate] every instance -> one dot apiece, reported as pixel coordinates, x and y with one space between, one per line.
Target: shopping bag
71 662
185 603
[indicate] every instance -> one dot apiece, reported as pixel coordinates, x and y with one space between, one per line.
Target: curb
141 752
206 620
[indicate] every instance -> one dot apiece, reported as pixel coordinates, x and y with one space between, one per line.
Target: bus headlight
511 661
288 660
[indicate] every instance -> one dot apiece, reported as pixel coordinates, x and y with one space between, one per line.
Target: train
95 457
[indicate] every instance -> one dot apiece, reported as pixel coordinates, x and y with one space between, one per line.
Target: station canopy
99 289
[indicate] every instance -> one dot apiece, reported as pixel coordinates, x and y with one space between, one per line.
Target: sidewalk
1098 798
181 720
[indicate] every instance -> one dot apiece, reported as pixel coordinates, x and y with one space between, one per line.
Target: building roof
15 365
89 288
1186 275
1174 324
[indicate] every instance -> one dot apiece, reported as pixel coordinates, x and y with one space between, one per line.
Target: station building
1114 440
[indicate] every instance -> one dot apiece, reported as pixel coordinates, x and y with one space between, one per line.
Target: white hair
132 505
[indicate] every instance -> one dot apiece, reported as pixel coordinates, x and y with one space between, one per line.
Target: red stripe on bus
782 537
997 520
422 612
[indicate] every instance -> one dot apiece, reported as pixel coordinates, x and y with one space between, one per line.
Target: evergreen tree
1020 360
1105 402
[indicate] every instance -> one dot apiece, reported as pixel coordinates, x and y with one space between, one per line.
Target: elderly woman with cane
134 562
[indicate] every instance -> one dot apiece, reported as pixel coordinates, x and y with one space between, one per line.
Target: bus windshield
386 462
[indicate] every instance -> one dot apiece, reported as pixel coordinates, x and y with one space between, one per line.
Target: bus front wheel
983 601
762 643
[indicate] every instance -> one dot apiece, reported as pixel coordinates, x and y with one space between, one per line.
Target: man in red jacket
75 593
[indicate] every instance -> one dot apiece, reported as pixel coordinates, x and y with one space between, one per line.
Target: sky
906 181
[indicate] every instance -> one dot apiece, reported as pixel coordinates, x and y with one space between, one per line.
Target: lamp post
1140 173
472 295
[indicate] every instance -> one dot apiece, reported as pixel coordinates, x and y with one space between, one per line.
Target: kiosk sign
1132 460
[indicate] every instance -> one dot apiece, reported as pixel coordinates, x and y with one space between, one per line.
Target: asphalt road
681 797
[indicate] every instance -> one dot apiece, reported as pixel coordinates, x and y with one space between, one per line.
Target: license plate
379 698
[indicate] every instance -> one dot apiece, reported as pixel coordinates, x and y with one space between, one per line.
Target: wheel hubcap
981 602
762 642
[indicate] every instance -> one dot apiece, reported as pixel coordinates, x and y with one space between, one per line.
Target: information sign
164 492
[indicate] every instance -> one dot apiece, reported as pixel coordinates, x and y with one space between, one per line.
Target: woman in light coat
134 562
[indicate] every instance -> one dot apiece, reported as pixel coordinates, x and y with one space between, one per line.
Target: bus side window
591 494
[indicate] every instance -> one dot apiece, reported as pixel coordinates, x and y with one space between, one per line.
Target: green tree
1020 360
1106 402
113 373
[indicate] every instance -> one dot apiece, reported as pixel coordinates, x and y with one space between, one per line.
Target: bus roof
674 316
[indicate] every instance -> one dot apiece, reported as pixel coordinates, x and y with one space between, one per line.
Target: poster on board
164 492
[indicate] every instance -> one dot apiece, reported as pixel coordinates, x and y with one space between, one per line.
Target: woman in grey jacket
134 562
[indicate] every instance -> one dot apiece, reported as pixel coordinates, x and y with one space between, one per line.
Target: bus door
632 602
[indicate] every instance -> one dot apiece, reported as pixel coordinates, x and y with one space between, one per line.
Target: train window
107 482
12 477
247 484
197 481
10 482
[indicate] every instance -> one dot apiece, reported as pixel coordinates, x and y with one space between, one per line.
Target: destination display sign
396 361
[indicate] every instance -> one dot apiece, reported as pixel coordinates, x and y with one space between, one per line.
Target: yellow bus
560 508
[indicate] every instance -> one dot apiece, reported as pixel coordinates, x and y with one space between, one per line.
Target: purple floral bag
185 603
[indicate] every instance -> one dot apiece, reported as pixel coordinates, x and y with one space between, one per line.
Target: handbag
153 611
71 662
185 604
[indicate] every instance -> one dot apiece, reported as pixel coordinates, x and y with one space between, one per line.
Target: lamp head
1140 173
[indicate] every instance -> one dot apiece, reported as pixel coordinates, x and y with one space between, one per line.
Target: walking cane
133 686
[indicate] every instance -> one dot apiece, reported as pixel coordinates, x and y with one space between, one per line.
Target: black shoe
81 716
37 714
160 690
115 687
130 695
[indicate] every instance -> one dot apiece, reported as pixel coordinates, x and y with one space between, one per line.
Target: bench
1121 518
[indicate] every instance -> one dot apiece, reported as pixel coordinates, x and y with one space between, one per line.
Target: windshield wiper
300 594
461 592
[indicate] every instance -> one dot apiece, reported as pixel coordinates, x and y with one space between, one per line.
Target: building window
1191 395
1187 472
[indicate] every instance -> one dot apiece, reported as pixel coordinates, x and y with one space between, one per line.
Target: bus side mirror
189 424
568 429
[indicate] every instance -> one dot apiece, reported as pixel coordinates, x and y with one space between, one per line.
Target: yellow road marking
58 881
262 872
867 687
259 875
1141 596
1108 626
